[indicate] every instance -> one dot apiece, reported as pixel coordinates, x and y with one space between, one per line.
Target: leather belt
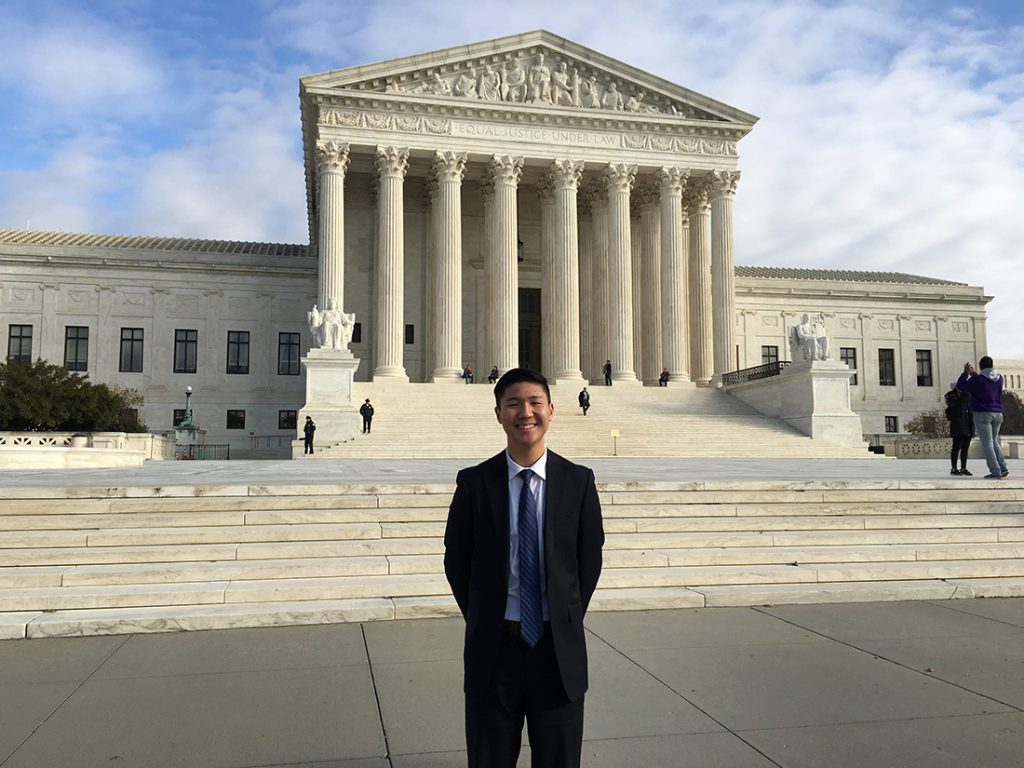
510 627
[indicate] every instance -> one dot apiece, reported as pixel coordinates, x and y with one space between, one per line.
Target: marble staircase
456 420
121 560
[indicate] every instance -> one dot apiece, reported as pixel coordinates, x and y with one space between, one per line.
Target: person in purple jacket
986 391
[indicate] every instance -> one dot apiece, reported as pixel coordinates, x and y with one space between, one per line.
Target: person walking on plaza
307 435
366 411
522 553
606 369
961 428
986 390
584 399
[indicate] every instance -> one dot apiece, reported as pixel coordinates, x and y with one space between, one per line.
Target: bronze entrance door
529 328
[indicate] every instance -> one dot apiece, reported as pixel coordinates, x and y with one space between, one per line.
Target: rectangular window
238 352
769 355
236 419
892 424
924 368
179 416
76 347
287 354
410 334
19 344
849 356
186 344
287 419
887 367
357 333
131 350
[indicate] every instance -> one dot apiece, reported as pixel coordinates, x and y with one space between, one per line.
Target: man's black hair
516 376
986 362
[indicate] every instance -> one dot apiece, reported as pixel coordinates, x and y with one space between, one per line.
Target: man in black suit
523 556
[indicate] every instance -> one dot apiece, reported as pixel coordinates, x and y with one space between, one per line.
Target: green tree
931 423
1013 414
42 396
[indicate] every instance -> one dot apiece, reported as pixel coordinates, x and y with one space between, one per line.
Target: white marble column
565 178
650 275
505 172
601 349
619 179
449 168
391 165
637 283
332 161
485 353
675 347
431 293
701 337
548 325
723 281
586 272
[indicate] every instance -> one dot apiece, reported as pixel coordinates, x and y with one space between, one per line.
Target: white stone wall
106 289
946 320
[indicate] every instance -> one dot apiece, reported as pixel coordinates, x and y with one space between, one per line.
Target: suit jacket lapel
554 488
496 489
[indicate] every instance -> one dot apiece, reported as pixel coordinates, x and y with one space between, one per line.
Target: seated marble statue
807 340
331 328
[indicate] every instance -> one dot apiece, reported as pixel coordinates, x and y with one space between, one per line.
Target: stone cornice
93 264
901 296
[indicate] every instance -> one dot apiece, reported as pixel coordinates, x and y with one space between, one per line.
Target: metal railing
753 374
258 442
216 452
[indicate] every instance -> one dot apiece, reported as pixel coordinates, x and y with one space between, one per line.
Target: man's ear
497 414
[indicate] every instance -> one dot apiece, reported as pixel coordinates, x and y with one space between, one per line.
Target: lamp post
186 422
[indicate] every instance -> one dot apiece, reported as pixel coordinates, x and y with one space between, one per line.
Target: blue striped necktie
531 613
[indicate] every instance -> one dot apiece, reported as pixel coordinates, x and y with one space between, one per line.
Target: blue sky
891 134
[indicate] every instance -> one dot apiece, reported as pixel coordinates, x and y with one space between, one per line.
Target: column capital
449 166
392 162
430 190
723 183
505 169
698 195
647 194
487 187
672 179
566 173
545 188
619 177
596 192
332 156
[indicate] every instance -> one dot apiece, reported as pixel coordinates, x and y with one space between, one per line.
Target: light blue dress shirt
538 484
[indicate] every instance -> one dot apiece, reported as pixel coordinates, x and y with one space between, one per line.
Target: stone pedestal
329 376
813 397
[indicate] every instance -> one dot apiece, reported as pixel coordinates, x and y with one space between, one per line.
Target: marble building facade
523 200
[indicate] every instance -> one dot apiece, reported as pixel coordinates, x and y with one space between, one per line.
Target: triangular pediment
535 69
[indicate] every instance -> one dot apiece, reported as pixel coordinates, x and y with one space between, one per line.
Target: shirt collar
539 467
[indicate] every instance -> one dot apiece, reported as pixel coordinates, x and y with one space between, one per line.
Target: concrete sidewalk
928 684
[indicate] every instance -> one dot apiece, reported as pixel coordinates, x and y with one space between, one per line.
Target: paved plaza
929 684
334 471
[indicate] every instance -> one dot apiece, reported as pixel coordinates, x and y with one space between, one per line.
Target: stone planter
79 441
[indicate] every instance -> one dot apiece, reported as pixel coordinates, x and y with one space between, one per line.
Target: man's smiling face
525 414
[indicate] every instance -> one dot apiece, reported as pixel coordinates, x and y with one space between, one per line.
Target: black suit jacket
476 555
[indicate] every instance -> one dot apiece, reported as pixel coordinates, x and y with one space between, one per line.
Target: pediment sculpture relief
537 79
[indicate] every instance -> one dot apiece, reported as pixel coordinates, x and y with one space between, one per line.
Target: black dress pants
961 444
527 685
